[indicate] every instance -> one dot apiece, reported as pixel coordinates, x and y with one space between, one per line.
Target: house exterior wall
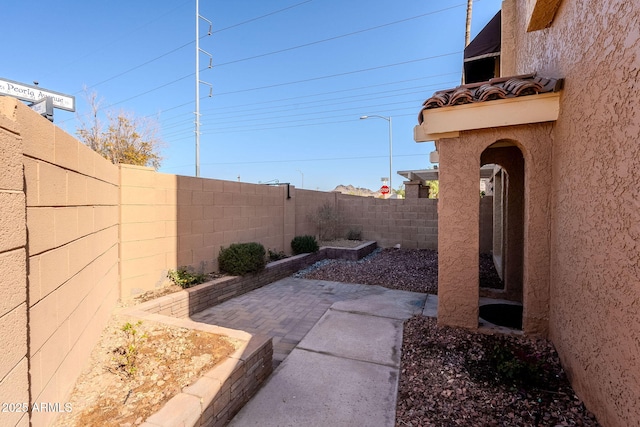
71 260
14 363
595 232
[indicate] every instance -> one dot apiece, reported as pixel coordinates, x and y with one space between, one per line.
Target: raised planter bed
218 395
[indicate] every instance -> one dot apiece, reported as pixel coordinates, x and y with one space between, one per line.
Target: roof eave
448 122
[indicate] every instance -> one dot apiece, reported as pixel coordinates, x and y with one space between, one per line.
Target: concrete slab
431 306
312 389
356 336
388 303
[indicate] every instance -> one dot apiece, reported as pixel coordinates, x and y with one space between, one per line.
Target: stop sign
384 189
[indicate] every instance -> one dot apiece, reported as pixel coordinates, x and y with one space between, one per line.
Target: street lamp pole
388 119
302 186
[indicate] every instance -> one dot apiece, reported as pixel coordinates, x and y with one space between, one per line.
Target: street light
388 119
302 186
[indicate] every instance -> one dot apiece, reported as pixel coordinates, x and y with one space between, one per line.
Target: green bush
304 244
185 277
242 258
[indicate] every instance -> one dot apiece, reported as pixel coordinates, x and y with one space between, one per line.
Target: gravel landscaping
456 377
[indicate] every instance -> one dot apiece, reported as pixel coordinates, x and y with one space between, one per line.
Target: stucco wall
14 375
458 239
72 223
595 233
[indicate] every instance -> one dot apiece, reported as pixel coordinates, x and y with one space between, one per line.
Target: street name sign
31 93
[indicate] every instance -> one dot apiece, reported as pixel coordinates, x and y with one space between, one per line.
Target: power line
326 159
340 74
260 17
253 104
331 102
336 37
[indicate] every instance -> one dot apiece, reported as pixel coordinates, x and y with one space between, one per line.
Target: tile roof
498 88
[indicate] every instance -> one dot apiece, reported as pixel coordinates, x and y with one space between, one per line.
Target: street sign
384 189
44 107
35 94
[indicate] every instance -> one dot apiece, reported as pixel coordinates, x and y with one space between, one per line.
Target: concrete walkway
342 370
285 310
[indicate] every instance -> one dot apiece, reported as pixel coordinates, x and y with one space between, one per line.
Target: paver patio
285 310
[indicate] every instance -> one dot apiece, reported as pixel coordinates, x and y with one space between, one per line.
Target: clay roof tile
497 88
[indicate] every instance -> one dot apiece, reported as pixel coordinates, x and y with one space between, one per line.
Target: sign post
44 107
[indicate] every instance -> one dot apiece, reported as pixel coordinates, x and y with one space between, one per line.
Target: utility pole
198 81
467 33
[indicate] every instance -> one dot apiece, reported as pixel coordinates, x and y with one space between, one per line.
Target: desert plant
304 244
242 258
127 354
327 220
185 277
517 365
276 255
354 234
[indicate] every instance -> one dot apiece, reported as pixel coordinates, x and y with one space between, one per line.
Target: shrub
354 234
304 244
276 256
327 220
518 365
242 258
185 278
126 356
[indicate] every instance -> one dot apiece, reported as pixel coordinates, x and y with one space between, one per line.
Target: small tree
433 188
327 220
127 139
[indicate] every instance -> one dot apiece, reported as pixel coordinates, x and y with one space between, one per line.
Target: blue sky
290 77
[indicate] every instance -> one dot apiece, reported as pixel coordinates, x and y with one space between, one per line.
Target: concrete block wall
14 363
412 223
72 224
168 221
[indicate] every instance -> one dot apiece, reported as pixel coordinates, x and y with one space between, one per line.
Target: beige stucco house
562 121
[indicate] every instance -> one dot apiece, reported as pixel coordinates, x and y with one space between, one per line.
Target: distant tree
433 188
400 191
126 138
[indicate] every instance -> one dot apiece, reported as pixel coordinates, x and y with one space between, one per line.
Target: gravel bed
456 377
404 269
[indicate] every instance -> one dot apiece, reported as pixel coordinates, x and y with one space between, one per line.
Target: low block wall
219 394
223 390
193 300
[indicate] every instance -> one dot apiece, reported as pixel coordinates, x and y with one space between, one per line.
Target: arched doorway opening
501 225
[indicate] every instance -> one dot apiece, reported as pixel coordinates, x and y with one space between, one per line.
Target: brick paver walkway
285 310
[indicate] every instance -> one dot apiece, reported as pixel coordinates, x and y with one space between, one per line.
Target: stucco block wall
168 221
71 208
595 232
459 237
14 375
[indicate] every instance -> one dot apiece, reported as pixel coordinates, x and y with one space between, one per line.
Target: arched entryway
502 238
